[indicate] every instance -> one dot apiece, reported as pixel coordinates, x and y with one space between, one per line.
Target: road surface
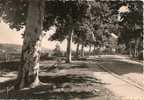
122 76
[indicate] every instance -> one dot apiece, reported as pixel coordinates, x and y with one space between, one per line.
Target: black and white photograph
71 50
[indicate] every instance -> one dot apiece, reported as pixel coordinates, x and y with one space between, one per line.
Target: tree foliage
67 15
88 18
14 12
132 23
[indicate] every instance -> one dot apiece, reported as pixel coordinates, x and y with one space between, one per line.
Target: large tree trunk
89 49
136 46
69 43
130 49
94 50
28 72
82 50
77 49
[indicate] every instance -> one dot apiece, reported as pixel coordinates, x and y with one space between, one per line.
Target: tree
103 23
84 34
57 51
28 74
132 26
72 13
30 14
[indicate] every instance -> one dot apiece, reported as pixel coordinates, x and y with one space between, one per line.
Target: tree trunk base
33 85
68 61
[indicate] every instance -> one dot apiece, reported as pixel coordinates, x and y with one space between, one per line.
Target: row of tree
86 23
131 28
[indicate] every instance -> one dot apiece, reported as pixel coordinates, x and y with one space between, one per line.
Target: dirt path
123 77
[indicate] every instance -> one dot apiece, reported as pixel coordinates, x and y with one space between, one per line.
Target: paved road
122 76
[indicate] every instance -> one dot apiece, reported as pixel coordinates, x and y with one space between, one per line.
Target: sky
8 35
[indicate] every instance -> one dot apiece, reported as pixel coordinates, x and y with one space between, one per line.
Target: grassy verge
73 81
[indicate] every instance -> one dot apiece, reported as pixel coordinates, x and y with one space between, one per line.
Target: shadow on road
122 67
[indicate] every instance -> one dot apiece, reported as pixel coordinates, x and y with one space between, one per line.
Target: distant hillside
10 48
15 48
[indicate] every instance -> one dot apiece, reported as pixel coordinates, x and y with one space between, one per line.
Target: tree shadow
122 67
10 66
48 93
54 68
62 87
62 66
60 79
8 83
116 65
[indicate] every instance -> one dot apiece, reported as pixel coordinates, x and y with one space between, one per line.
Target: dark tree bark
136 46
77 49
94 50
130 50
82 50
90 49
69 43
28 72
